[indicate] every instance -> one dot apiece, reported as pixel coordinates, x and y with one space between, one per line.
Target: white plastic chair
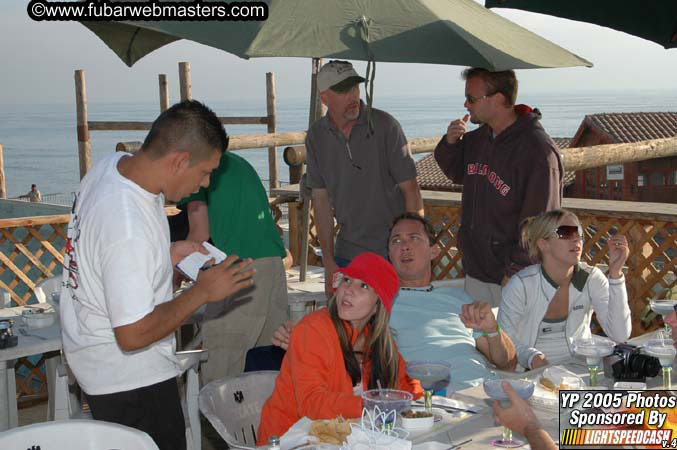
76 435
233 406
67 405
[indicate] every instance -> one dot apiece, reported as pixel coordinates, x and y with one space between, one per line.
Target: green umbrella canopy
458 32
655 20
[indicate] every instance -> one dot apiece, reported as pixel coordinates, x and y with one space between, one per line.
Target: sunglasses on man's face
470 99
569 231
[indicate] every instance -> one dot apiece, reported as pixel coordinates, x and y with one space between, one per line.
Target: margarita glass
664 350
594 348
664 308
433 375
493 388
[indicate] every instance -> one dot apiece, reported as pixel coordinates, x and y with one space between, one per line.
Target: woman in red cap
337 353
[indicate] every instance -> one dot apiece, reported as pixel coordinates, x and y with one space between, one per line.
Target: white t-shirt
117 270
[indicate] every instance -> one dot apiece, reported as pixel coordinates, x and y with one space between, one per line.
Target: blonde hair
541 227
380 348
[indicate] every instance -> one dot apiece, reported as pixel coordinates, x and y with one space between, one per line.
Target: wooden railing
651 229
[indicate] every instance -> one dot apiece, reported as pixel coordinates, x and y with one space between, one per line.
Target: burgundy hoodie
505 179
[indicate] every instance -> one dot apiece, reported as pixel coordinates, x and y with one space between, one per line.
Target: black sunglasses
568 231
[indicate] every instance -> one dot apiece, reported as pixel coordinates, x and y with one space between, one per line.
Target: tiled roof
633 127
431 178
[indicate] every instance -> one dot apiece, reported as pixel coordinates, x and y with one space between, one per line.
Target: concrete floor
38 413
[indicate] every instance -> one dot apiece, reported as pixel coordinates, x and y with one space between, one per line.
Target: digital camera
627 363
7 338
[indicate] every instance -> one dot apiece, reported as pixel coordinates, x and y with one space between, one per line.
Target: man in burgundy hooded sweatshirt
510 169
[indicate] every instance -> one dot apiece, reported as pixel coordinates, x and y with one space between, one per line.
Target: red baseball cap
378 273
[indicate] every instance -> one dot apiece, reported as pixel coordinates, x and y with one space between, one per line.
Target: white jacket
527 295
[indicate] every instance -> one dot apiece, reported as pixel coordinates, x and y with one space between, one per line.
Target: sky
40 58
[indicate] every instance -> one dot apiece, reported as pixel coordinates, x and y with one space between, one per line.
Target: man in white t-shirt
117 312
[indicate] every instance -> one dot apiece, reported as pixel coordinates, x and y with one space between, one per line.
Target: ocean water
40 144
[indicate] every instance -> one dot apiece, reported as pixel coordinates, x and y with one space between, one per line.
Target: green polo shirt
240 221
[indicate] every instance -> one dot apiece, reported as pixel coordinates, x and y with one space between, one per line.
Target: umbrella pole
314 114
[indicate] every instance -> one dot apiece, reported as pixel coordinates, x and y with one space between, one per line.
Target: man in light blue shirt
436 322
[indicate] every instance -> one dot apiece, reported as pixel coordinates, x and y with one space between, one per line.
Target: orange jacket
313 381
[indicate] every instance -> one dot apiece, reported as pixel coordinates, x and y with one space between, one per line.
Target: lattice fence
31 250
651 269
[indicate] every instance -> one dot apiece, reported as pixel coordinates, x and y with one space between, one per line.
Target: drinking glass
433 375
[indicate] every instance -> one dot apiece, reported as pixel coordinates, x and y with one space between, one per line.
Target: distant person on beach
510 169
34 194
363 171
234 212
117 313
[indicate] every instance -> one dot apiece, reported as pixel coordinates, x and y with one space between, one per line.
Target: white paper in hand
190 265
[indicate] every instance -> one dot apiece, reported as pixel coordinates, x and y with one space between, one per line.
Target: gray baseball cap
337 75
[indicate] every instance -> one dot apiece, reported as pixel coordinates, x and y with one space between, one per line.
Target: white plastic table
28 345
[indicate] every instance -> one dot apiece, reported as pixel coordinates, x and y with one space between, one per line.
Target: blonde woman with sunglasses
546 305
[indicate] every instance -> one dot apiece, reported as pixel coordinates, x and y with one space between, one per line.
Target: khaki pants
248 319
481 290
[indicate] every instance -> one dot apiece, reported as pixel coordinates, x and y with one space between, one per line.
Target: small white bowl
418 423
35 320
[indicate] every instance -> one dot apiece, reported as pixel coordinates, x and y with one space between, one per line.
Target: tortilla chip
334 431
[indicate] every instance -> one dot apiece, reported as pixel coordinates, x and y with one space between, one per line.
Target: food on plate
332 431
411 414
548 384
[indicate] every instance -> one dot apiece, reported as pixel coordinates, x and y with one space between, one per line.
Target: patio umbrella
458 32
655 20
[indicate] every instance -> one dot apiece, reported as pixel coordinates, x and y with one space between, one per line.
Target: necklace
419 289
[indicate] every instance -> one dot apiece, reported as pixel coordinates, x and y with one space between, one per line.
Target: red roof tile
634 127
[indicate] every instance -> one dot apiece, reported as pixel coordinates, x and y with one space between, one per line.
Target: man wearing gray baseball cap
360 167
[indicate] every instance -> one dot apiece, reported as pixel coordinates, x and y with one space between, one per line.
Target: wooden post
164 92
185 84
84 145
314 114
3 188
272 151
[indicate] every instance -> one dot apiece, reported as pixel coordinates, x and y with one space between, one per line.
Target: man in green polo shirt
234 212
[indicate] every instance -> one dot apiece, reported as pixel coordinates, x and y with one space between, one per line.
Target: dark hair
187 126
427 226
504 82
